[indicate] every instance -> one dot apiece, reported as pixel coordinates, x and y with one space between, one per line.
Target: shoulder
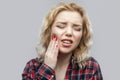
92 63
93 68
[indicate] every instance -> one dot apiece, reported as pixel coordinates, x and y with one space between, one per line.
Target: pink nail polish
56 38
56 45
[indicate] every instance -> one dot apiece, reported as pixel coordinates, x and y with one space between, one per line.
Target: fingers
56 49
53 45
52 53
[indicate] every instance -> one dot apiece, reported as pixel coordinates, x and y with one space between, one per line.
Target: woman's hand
52 52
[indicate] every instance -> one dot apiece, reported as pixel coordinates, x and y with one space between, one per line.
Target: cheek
78 37
58 33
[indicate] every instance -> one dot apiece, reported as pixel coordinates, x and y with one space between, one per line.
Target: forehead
69 16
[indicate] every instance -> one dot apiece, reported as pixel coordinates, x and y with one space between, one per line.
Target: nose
69 32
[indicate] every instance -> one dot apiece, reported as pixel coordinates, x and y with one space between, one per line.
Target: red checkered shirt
40 71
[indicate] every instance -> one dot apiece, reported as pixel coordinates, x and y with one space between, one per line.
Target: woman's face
68 29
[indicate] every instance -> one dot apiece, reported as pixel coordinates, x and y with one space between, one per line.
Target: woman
64 47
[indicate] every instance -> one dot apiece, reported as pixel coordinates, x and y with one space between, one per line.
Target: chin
65 50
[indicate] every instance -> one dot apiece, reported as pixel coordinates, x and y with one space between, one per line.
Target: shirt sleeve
97 75
44 72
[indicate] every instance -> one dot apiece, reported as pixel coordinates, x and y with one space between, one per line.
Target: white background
20 24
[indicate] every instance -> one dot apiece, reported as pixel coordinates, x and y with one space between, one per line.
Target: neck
63 59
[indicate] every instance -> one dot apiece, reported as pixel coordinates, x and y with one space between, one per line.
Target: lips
67 42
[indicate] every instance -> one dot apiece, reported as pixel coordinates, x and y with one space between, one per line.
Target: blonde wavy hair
82 51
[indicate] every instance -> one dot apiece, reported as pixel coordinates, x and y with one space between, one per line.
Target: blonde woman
63 51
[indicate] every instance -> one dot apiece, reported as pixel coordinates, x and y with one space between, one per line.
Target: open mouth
67 42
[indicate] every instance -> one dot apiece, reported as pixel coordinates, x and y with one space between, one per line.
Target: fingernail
56 38
52 37
56 45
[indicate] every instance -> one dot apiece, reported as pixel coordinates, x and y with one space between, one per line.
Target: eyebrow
66 23
62 23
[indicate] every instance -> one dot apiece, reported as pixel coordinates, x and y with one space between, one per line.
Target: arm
44 72
97 75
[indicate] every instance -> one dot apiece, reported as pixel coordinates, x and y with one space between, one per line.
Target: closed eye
78 29
60 26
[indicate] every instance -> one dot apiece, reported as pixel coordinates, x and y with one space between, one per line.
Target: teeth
68 42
